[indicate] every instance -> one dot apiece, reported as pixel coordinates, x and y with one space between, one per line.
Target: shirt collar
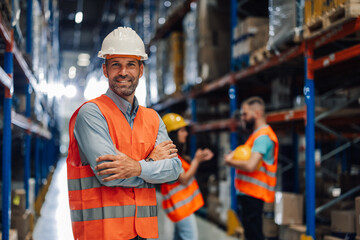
121 103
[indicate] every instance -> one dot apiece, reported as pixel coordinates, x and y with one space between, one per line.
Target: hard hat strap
123 56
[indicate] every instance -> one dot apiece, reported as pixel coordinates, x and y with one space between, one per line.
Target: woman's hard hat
123 41
174 121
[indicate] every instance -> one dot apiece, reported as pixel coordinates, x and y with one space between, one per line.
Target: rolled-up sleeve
163 170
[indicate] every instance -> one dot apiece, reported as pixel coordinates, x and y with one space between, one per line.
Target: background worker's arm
92 134
200 156
262 150
247 166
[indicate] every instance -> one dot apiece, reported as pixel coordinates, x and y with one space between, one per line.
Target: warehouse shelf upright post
233 103
309 92
6 164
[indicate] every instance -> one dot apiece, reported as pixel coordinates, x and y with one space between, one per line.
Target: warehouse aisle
55 224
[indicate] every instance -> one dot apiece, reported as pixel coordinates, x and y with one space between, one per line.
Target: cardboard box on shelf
288 208
343 221
357 217
291 232
18 203
21 223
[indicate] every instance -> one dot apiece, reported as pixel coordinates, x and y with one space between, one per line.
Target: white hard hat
123 41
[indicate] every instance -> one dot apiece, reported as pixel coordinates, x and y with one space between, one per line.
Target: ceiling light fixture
78 17
72 72
83 60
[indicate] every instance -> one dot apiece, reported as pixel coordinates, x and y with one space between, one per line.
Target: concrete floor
55 223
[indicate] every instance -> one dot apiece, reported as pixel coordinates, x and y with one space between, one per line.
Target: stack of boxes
289 215
343 224
20 216
213 39
285 22
250 34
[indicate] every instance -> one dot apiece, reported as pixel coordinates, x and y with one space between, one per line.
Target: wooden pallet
336 16
259 56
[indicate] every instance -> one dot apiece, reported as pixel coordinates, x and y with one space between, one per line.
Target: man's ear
141 70
104 70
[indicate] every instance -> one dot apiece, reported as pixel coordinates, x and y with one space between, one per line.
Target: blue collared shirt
92 134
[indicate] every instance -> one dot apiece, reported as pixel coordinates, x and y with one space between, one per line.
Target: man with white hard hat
114 145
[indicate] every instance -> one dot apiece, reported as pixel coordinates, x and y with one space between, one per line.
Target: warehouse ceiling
99 17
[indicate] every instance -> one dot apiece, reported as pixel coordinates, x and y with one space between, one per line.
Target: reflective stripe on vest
177 189
260 183
129 211
183 202
180 201
255 181
93 182
102 213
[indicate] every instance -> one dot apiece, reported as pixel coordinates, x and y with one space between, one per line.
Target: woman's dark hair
180 146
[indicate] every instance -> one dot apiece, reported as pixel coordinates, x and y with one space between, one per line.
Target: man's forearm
160 171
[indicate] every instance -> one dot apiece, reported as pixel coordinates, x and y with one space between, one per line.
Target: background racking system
38 140
329 57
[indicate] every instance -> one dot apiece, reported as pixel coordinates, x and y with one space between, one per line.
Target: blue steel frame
233 104
309 94
27 168
6 162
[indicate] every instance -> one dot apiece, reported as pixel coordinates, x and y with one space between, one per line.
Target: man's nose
123 71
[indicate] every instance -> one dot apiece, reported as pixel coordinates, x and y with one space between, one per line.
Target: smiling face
123 74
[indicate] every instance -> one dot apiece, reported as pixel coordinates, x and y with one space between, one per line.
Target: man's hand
164 150
117 166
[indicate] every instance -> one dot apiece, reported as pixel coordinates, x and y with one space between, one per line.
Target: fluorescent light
78 17
72 72
167 3
83 60
70 91
161 20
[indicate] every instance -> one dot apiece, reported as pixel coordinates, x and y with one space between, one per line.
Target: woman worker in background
182 198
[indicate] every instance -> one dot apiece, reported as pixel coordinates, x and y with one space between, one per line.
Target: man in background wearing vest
256 178
110 165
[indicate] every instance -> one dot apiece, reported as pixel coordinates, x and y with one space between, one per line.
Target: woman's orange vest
181 201
107 213
260 183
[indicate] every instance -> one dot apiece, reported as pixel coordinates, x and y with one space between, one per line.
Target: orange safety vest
107 213
260 183
181 201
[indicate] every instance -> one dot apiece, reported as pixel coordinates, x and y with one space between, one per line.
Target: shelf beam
287 115
272 62
335 33
5 79
337 57
5 33
26 124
